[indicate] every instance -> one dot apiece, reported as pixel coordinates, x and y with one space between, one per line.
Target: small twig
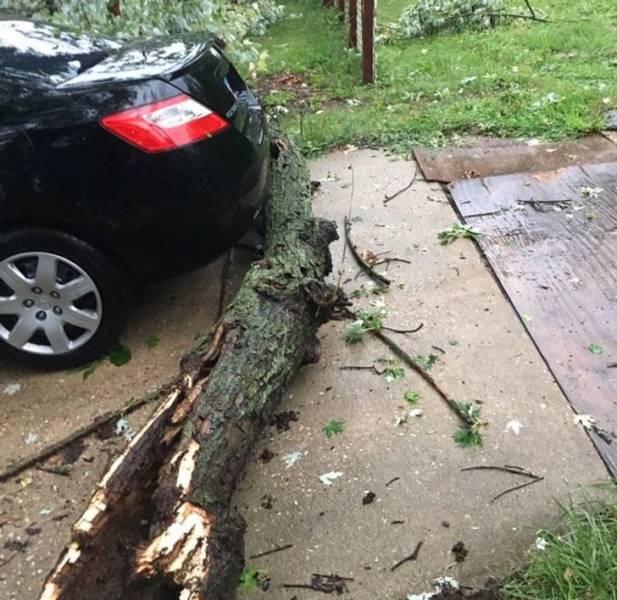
273 551
392 481
8 560
532 12
612 365
414 330
413 180
64 470
412 556
363 264
517 487
25 463
505 469
438 349
361 368
451 402
504 15
383 261
562 201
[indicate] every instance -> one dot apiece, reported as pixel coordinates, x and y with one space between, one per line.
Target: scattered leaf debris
456 231
291 458
330 477
334 427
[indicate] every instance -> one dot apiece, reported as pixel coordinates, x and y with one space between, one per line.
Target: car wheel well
130 278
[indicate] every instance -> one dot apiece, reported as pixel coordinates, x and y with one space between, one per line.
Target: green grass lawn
578 560
522 79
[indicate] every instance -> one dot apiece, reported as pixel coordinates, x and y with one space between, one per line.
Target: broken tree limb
160 525
98 423
408 360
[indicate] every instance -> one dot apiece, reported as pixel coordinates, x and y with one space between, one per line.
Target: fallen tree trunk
160 525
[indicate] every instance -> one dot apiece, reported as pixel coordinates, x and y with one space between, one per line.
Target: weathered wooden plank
557 261
490 158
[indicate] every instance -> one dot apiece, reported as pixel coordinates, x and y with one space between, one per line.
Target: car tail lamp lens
166 125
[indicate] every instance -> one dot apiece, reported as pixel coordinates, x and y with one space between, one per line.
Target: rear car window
43 55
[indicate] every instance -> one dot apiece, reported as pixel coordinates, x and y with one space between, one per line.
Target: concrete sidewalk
488 359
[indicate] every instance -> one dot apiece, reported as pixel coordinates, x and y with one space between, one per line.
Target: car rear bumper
222 190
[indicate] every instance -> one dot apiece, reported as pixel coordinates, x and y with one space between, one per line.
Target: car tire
62 289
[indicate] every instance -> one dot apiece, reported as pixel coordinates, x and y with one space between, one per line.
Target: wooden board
553 247
500 157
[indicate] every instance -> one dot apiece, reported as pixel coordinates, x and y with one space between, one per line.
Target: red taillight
165 125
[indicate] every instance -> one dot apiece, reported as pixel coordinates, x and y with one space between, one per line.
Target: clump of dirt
283 420
459 551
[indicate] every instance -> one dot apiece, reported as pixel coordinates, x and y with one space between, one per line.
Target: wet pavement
310 490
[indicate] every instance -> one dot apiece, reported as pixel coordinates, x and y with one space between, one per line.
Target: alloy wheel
48 304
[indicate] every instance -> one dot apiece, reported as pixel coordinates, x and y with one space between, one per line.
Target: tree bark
160 524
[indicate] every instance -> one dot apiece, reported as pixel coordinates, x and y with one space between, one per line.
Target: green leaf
426 362
119 355
354 333
393 373
472 412
412 397
456 231
467 437
89 369
334 427
249 579
595 349
152 341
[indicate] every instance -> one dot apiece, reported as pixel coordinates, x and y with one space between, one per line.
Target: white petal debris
514 426
31 438
416 412
291 459
124 429
590 192
441 583
586 421
541 543
446 582
329 478
10 389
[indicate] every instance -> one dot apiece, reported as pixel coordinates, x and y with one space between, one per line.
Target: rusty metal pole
341 10
368 41
352 42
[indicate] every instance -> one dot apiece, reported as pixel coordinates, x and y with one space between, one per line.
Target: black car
118 164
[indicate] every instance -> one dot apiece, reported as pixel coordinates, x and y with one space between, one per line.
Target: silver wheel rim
48 304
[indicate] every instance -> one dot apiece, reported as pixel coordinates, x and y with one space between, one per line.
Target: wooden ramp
551 239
